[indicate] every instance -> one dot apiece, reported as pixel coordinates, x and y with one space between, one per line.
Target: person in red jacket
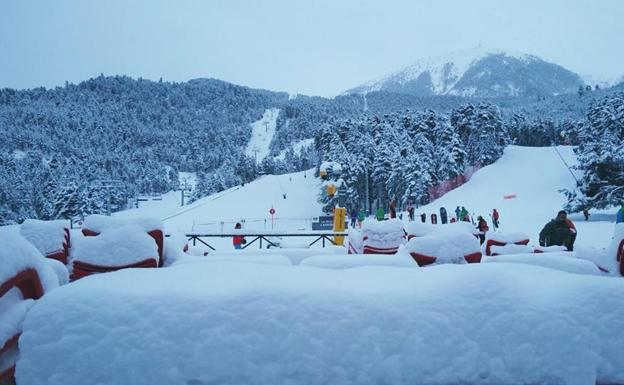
238 240
495 216
482 227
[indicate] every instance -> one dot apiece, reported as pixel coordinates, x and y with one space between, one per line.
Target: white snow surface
447 248
511 249
115 247
60 270
17 255
383 234
98 223
507 237
241 323
358 260
535 175
46 236
562 261
262 132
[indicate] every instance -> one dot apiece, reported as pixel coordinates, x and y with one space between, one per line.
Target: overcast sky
308 46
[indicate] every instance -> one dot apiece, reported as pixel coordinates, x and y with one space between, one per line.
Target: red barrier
29 283
491 242
423 260
437 191
473 258
379 250
83 269
156 234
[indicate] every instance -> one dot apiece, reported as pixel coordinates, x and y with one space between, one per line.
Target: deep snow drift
235 323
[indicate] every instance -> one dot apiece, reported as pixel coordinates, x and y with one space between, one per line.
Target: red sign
272 211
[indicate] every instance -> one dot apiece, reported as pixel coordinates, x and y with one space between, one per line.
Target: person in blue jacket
619 217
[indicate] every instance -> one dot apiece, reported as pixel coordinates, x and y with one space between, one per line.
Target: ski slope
534 175
262 132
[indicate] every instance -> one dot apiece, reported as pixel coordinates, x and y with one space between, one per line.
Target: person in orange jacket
238 240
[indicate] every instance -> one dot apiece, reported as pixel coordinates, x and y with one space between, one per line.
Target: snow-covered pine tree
601 157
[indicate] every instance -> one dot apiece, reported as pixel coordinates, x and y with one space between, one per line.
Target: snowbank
17 255
417 229
51 238
115 247
62 274
251 324
459 247
261 259
549 249
510 249
97 223
562 261
355 260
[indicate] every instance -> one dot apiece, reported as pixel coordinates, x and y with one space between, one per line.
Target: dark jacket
555 233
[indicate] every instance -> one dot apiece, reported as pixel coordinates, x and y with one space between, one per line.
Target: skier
361 217
393 208
464 215
495 217
443 216
423 217
353 218
380 214
619 217
410 212
238 240
558 232
434 219
458 213
482 227
586 213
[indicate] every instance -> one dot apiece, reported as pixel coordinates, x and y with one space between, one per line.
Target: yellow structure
331 190
323 173
340 224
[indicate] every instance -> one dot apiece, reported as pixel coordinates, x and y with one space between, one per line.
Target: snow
17 254
115 247
265 324
511 249
535 175
296 147
262 132
507 237
562 261
358 260
99 223
445 70
60 270
47 236
445 247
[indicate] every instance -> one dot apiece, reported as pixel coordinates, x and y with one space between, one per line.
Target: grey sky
309 46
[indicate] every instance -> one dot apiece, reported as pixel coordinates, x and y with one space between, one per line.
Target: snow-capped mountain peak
479 71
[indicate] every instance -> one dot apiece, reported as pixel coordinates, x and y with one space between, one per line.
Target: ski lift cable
184 211
578 183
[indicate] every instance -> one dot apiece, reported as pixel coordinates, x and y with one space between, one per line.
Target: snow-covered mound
562 261
258 324
481 72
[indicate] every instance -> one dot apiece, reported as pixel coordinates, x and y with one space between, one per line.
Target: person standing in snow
458 213
495 217
464 215
393 208
557 232
238 240
410 212
434 219
353 218
482 227
586 213
380 214
361 217
619 216
443 216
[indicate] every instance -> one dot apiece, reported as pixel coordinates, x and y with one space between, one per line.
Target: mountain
478 72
